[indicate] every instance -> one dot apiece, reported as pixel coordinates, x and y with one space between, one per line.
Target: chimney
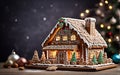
90 25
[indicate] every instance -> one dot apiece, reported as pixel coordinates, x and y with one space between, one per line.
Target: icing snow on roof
79 26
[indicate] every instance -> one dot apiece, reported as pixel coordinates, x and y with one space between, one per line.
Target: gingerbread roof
79 26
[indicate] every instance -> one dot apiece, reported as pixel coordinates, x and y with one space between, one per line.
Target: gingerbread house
73 35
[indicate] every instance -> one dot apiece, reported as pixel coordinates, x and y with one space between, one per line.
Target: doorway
61 57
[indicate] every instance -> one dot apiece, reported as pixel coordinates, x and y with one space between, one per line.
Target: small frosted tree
94 60
43 58
73 59
100 58
35 57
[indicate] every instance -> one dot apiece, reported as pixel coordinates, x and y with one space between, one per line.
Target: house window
73 37
52 54
57 38
65 38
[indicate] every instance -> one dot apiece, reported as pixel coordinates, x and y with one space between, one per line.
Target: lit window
65 38
78 55
73 37
52 54
57 38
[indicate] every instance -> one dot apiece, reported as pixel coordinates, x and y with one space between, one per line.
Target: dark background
24 24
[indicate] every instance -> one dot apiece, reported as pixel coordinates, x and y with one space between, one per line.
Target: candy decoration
21 61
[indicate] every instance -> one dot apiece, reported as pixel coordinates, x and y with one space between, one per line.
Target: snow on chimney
90 25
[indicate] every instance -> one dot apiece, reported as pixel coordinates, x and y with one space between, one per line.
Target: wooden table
15 71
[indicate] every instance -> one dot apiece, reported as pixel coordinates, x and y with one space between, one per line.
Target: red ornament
110 33
21 61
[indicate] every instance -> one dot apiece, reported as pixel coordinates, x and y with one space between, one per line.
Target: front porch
61 54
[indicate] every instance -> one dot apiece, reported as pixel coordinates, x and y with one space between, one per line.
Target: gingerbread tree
100 58
35 57
43 58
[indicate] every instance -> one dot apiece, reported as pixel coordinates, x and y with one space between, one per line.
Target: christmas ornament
118 12
116 58
14 57
113 20
9 62
21 61
110 33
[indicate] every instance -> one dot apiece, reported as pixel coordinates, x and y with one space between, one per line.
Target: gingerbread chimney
90 25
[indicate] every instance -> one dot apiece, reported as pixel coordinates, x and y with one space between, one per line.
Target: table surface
15 71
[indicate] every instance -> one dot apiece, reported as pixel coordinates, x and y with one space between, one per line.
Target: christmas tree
107 14
100 58
94 60
43 58
73 59
35 57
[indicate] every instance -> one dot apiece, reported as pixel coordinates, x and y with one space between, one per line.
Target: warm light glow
106 2
108 27
82 15
73 37
102 25
109 40
65 38
77 55
101 4
117 37
110 7
57 38
87 11
52 54
91 54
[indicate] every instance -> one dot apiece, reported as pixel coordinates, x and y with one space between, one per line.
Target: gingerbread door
61 57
